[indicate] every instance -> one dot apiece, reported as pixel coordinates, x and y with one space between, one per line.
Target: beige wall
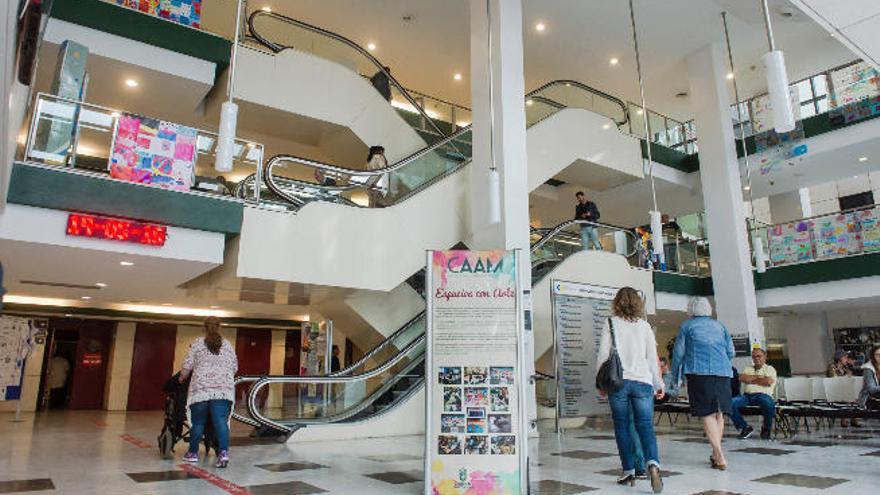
186 334
119 367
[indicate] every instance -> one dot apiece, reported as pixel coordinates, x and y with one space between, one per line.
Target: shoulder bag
609 379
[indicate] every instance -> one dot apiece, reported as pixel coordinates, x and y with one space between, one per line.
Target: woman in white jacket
642 381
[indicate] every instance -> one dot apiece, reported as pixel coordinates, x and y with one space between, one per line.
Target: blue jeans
638 454
219 411
636 399
763 401
590 236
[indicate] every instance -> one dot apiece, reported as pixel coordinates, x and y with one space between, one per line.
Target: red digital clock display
115 229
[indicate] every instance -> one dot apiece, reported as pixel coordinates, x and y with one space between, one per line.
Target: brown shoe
656 479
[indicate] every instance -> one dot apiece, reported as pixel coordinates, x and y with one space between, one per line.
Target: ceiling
854 22
426 42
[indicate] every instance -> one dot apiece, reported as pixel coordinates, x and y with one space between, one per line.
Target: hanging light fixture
656 216
777 80
229 110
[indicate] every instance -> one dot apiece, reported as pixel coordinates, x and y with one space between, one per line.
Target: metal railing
78 136
821 237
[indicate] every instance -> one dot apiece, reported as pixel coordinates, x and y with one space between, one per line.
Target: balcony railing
822 237
77 135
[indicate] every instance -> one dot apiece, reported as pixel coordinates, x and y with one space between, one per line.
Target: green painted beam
832 270
137 26
675 283
45 187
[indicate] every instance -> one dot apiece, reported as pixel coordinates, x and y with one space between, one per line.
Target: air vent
555 182
682 94
59 284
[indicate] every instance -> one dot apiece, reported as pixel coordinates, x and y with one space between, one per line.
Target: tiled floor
85 453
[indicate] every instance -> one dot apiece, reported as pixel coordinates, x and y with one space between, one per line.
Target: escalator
391 373
289 179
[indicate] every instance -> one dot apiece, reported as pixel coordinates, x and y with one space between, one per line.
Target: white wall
386 312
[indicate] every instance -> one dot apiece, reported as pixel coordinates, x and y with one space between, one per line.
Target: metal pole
632 18
770 40
492 164
230 86
742 130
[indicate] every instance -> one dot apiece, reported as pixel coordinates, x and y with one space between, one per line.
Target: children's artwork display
16 342
774 151
855 83
790 243
185 12
870 229
150 151
855 111
762 111
836 235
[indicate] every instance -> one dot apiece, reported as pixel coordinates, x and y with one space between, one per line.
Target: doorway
152 365
253 348
75 368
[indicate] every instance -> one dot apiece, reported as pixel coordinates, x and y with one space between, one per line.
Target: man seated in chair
759 381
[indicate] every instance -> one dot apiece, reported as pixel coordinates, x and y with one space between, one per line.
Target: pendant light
229 110
777 80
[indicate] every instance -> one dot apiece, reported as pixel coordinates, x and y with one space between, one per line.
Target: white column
499 130
722 194
502 127
810 344
119 368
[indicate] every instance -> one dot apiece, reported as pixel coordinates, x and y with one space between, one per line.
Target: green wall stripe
59 190
674 283
77 312
137 26
866 265
670 157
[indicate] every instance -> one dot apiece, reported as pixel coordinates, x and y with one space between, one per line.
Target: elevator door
151 365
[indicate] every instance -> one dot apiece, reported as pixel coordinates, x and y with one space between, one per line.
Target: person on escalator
377 185
587 210
212 363
382 84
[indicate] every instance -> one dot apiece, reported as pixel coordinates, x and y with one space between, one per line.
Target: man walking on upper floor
759 381
587 210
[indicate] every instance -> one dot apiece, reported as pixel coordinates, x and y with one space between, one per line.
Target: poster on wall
790 243
16 342
579 315
870 229
774 150
476 420
835 235
855 83
185 12
150 151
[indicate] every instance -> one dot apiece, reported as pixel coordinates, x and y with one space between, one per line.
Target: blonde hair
628 304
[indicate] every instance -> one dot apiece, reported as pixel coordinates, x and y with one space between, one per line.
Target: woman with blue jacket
702 353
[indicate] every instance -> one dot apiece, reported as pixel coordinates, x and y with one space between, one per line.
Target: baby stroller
176 427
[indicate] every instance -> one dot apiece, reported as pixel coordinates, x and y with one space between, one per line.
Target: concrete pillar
276 366
810 344
722 194
119 367
14 95
499 124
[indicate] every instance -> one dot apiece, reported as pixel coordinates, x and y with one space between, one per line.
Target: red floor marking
225 485
137 442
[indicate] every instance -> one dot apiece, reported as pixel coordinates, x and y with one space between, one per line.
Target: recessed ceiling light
730 75
371 47
167 304
529 102
100 284
131 83
68 314
215 307
126 263
747 188
640 112
115 115
540 27
85 298
863 158
614 61
266 9
457 76
606 126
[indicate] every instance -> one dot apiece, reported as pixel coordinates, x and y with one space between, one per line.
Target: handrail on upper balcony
807 219
277 48
564 225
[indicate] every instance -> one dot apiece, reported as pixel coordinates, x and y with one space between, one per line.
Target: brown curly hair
213 339
628 304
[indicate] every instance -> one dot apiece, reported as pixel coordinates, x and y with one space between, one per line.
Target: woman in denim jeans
634 402
703 350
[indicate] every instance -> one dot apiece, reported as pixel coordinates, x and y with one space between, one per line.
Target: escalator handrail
562 226
275 47
344 415
580 85
269 166
255 389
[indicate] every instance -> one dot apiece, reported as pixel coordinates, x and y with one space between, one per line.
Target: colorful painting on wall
185 12
790 243
150 151
855 83
836 235
856 111
870 226
773 150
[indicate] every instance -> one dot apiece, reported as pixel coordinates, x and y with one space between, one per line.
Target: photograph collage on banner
476 403
476 429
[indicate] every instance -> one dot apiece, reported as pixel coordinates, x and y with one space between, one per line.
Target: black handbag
609 379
